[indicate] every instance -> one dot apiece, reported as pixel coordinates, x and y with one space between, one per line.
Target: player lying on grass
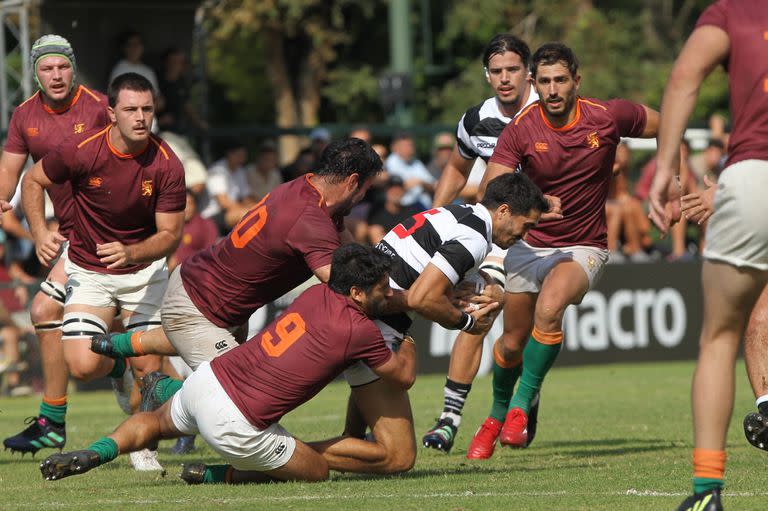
235 401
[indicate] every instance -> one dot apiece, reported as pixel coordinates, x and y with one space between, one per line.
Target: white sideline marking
227 500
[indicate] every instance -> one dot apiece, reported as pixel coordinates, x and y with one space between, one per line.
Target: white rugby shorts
202 406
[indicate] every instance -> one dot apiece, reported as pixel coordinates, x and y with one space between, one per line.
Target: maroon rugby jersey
116 195
290 361
273 249
36 129
574 163
746 23
199 233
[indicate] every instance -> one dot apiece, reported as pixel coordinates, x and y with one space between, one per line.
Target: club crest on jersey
146 188
33 132
79 127
95 182
541 147
593 141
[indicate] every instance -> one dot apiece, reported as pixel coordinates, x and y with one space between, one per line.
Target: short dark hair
344 157
517 191
502 43
552 53
128 81
359 266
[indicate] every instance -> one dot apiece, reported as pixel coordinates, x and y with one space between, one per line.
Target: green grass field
610 438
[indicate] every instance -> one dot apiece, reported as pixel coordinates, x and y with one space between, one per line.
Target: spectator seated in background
688 184
708 162
441 153
228 189
387 214
627 222
264 175
132 51
177 114
304 162
13 298
419 183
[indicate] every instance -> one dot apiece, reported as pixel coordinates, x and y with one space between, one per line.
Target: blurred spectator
228 189
195 174
132 51
708 162
382 151
418 182
304 162
441 153
177 114
264 175
678 232
319 138
199 233
384 216
625 217
13 298
361 132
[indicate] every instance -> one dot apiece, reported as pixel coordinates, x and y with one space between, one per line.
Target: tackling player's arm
396 303
47 243
400 369
453 179
431 295
10 170
159 245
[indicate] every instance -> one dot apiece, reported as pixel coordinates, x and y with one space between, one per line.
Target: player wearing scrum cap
59 108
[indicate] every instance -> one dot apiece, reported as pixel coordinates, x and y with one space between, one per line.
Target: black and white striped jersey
481 126
454 238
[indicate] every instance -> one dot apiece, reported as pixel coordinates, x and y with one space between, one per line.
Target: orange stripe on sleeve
29 98
525 112
550 338
159 146
92 137
593 104
90 93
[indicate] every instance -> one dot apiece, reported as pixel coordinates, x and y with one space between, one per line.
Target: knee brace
82 324
140 322
55 290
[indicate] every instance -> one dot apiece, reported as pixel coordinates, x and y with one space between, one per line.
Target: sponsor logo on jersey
95 182
592 141
541 147
280 449
146 188
186 239
79 127
221 345
485 145
33 132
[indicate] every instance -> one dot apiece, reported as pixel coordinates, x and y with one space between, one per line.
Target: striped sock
454 397
708 470
54 409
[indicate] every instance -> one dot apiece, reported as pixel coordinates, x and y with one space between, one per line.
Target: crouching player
325 330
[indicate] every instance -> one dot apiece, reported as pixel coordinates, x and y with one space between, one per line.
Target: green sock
166 388
118 370
504 380
537 359
56 413
106 448
216 473
122 344
701 484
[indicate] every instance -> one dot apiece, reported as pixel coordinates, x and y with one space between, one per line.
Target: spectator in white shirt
419 183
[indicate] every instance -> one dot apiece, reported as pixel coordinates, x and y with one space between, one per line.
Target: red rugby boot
515 430
482 444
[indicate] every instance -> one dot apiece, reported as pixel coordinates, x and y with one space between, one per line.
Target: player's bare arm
157 246
323 273
10 170
430 295
707 47
400 369
47 243
453 179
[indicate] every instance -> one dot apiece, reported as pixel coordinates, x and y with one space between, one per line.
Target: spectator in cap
441 153
402 162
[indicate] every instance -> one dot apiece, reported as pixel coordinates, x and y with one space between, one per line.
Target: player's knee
399 460
83 370
44 309
549 314
512 344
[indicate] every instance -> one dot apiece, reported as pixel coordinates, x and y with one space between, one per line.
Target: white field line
381 496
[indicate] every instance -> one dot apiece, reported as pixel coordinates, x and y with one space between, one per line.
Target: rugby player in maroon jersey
60 108
325 330
567 145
